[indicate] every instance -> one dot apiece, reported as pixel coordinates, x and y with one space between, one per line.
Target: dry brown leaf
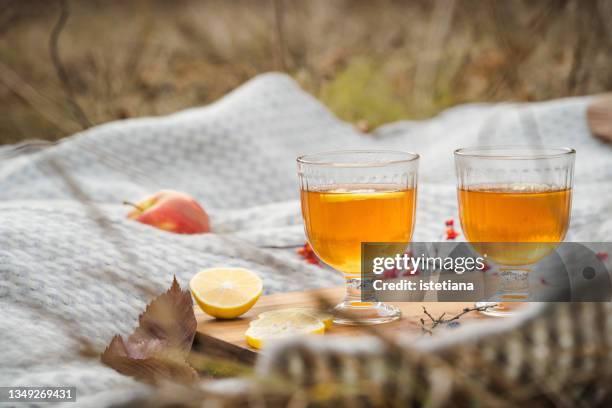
158 347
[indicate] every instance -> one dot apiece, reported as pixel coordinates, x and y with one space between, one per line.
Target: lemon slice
326 318
279 325
225 293
358 195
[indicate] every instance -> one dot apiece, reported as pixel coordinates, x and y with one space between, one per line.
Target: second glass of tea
352 197
514 205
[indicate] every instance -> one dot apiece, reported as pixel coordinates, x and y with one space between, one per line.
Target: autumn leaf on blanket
158 348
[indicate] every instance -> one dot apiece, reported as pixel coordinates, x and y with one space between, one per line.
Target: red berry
451 233
390 273
308 254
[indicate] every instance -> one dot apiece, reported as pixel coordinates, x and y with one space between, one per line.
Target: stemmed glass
352 197
514 205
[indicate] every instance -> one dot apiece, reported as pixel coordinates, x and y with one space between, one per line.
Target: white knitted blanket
67 267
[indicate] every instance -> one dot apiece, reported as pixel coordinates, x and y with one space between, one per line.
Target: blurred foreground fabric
72 264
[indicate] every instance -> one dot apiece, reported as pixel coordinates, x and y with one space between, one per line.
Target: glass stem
514 283
357 290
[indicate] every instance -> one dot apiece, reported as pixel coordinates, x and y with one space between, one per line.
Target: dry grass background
67 64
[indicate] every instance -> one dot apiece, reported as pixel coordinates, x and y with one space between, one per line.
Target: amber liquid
337 221
516 213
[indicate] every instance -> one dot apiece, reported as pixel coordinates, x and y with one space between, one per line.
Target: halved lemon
326 318
226 293
279 325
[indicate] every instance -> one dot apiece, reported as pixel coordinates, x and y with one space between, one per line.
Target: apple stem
136 206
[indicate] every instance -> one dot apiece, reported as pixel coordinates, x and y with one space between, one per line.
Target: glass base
500 309
357 313
512 291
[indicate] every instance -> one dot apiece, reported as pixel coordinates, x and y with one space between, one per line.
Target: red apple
171 211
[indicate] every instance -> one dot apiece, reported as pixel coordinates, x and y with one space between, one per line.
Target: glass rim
509 152
308 159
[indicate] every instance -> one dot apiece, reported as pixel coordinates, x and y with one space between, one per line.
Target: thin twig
427 70
40 103
97 215
435 322
61 71
280 33
291 246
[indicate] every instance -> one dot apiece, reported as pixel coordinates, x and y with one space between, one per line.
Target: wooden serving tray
225 338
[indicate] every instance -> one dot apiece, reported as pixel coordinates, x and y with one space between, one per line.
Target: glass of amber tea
514 206
353 197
